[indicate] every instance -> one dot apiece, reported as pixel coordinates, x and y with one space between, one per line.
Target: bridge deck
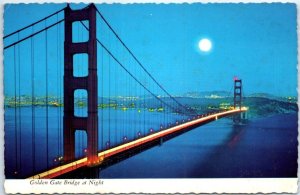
57 171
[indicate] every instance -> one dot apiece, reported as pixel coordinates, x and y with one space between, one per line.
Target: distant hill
258 106
261 106
207 94
263 95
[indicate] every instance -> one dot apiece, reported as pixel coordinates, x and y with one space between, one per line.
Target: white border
286 185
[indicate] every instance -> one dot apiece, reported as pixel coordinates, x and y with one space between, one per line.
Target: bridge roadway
60 170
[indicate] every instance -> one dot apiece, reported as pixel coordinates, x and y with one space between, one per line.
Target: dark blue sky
256 42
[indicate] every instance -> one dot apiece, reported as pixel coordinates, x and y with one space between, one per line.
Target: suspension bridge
79 96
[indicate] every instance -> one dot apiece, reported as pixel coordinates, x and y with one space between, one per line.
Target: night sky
255 42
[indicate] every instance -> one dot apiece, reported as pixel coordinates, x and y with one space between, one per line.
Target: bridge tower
237 101
237 93
89 83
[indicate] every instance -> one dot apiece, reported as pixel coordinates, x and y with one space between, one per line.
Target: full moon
205 45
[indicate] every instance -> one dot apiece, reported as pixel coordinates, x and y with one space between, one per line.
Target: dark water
264 147
25 135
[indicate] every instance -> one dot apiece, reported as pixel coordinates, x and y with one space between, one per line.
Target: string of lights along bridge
81 96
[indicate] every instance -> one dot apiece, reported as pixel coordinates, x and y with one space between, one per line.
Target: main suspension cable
140 64
30 25
126 70
32 105
33 34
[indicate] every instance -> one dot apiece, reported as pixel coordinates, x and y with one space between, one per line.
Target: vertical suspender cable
60 94
133 102
127 105
122 133
20 118
164 113
128 125
104 146
114 113
57 89
109 75
32 103
145 112
47 109
138 107
15 109
102 94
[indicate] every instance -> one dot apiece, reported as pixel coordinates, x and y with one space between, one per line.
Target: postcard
144 97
